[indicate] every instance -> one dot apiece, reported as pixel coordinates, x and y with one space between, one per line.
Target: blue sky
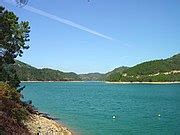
99 35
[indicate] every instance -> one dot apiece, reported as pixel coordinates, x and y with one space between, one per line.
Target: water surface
88 107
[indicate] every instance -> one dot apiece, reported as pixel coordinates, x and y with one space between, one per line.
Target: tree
13 36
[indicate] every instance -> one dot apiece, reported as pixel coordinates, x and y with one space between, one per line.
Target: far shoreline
52 81
176 82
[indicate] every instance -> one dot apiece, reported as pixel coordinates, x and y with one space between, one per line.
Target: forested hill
114 74
156 70
92 77
152 71
100 76
29 73
156 66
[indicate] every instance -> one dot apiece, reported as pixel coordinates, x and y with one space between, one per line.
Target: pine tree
13 36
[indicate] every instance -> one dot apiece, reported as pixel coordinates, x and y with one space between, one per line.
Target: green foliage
13 111
147 71
28 73
11 103
156 66
13 35
19 114
9 93
9 75
116 74
2 132
114 77
92 77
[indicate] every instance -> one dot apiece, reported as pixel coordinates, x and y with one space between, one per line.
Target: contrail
64 21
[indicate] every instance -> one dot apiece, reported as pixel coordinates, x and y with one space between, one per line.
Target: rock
44 125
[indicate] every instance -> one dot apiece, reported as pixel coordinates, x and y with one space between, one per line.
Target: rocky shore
38 124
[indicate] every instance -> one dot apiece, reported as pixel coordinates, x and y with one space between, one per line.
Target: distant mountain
92 77
29 73
102 77
156 70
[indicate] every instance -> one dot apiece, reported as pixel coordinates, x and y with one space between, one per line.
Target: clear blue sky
99 35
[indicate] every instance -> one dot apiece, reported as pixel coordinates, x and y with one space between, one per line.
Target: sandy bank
44 126
143 82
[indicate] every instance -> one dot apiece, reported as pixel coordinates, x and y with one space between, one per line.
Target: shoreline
176 82
143 82
51 81
40 124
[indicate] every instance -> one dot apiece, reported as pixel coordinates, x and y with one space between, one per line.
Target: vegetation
13 111
158 78
26 72
152 71
156 66
116 74
92 77
103 77
13 35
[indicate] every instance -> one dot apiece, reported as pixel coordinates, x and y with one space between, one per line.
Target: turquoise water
88 107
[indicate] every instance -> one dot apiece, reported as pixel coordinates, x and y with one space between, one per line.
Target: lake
98 108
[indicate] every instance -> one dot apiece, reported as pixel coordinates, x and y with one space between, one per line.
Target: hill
115 74
102 77
29 73
152 71
92 77
156 70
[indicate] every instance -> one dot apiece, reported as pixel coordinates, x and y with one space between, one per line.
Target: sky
99 35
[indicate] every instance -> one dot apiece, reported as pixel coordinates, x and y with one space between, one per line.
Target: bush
12 111
11 103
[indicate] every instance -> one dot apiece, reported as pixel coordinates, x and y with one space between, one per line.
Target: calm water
88 107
